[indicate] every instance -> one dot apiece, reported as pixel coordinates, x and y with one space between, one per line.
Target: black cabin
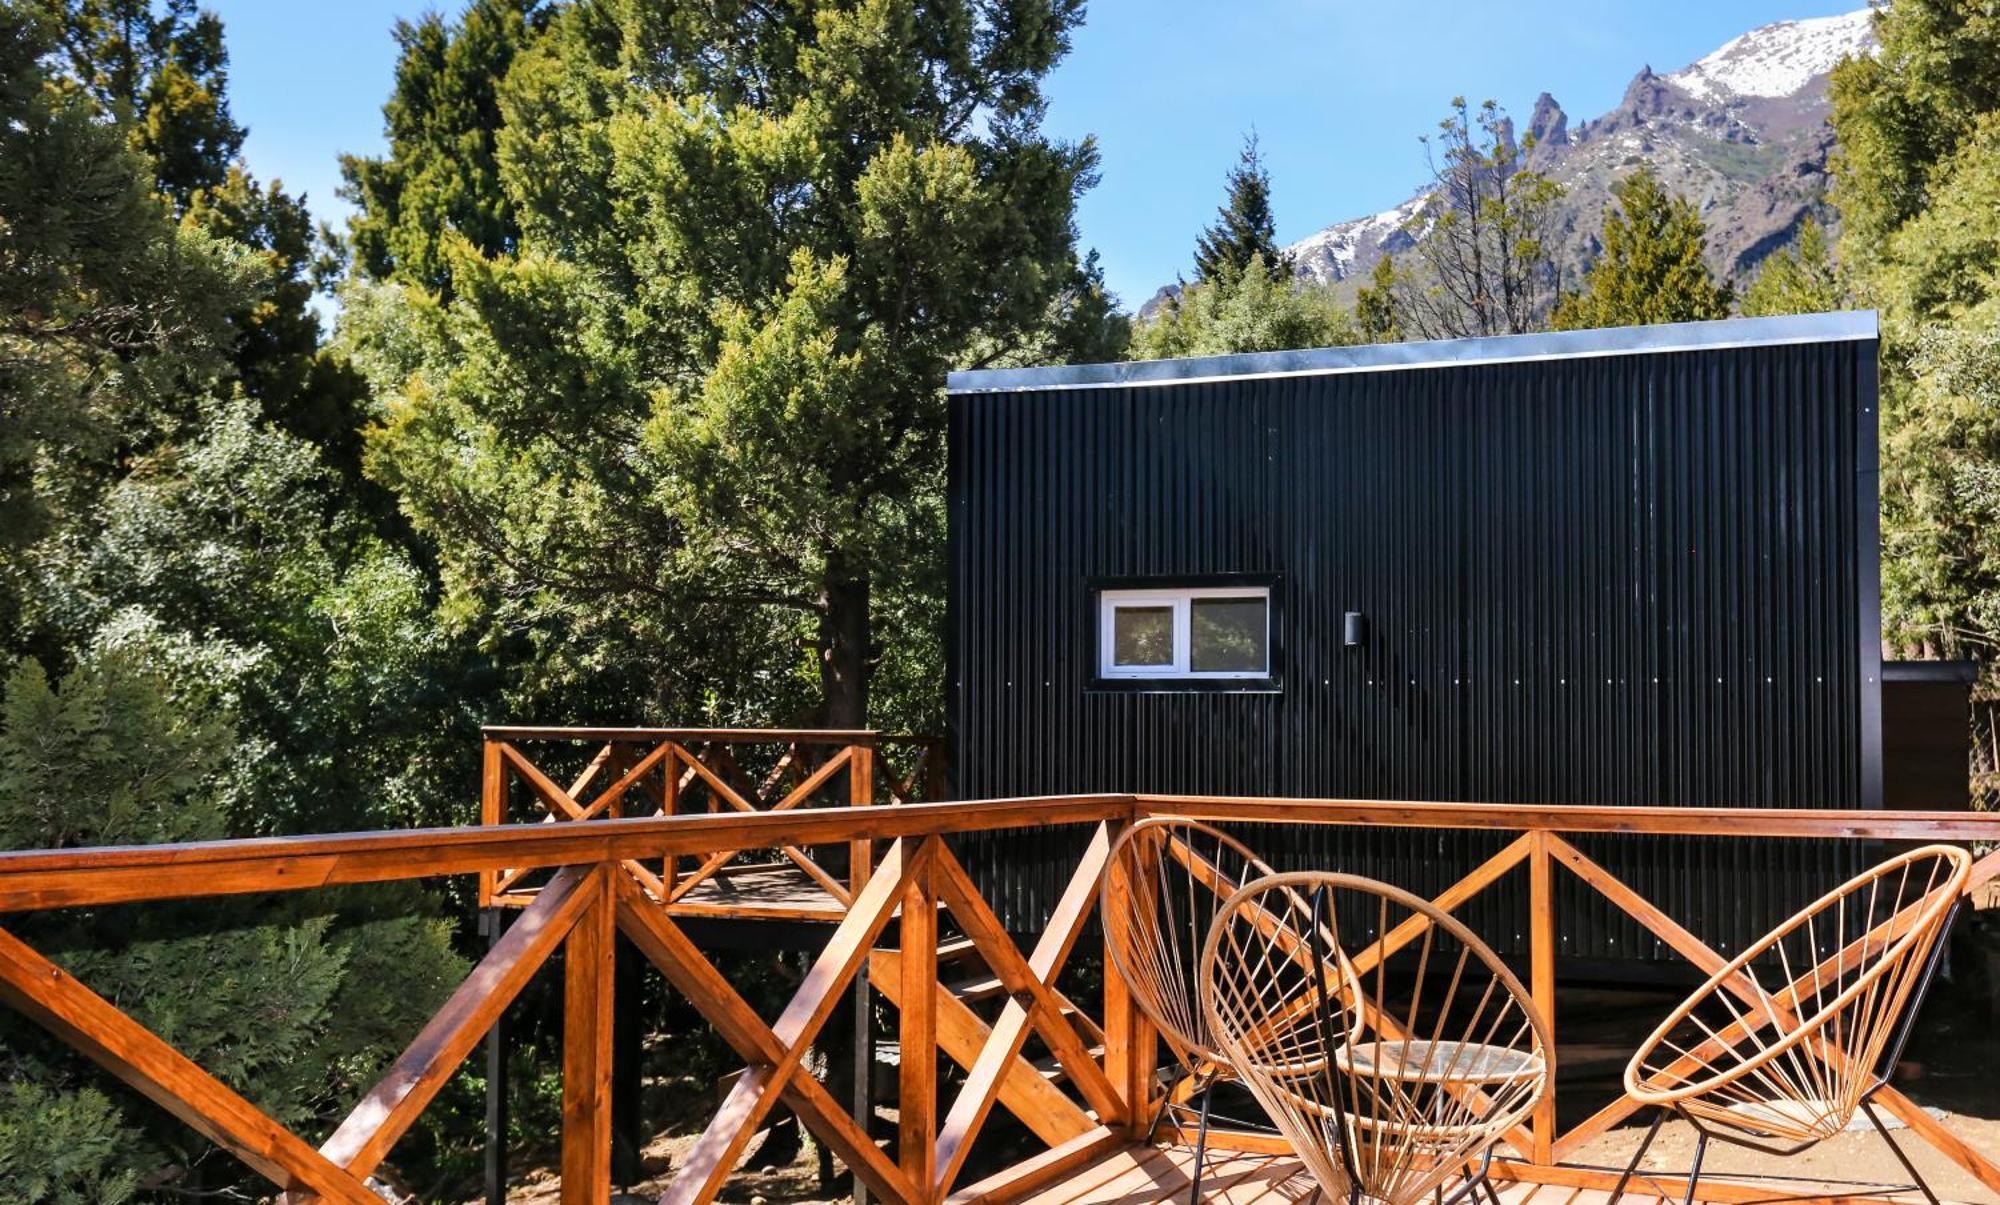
1631 566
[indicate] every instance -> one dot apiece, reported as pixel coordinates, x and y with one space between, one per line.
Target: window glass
1143 635
1228 635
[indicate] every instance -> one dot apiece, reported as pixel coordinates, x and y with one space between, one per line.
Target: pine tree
1650 266
1799 279
1377 316
1918 169
110 314
159 68
691 421
1916 181
441 177
1243 229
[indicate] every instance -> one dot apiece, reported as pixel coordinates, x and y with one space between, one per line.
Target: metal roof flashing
1842 326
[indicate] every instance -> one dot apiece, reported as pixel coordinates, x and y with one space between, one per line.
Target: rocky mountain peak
1742 132
1550 125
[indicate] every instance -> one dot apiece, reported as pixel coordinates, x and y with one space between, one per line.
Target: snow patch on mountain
1776 60
1330 254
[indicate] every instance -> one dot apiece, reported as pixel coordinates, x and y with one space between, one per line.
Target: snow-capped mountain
1777 60
1742 132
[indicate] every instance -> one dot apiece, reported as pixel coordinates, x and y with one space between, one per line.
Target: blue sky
1337 90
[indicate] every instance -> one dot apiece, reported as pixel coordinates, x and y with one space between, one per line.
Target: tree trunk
843 646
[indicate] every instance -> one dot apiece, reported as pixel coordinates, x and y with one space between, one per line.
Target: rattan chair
1393 1071
1784 1043
1167 879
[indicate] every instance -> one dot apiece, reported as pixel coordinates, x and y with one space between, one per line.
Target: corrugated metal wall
1620 579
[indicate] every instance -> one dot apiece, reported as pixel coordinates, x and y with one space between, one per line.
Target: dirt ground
1854 1158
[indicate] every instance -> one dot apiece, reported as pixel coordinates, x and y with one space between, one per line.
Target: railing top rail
117 874
1844 823
828 736
123 874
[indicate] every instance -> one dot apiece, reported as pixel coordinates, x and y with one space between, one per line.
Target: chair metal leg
1868 1107
1645 1144
1694 1173
1201 1144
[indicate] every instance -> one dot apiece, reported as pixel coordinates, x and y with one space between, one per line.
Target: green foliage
110 314
685 437
64 1148
279 363
1249 310
1244 229
159 69
1376 317
1908 120
1941 493
442 173
1799 279
1918 186
1650 265
291 1002
229 561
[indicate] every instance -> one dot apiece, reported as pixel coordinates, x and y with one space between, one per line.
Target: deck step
955 949
1053 1071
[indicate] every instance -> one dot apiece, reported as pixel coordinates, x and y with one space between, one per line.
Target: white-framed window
1184 632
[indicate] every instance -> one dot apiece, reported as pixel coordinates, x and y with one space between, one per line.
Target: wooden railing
681 771
915 887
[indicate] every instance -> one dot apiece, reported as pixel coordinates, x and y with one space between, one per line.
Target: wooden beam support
383 1116
757 1090
916 1102
961 1035
1542 971
982 1086
991 939
681 961
588 969
1131 1043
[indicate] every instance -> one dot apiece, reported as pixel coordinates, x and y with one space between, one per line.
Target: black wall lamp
1355 630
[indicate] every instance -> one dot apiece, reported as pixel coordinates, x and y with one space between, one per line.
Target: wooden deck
780 892
1159 1175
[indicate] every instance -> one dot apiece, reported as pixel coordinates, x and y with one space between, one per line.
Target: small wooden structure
584 881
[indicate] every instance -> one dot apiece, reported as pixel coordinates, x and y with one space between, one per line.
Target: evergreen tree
1248 310
114 754
1376 316
279 362
693 420
1244 229
1916 181
1919 158
109 313
441 176
159 68
1799 279
1650 266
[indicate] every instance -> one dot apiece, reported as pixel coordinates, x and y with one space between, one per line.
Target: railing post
493 922
1130 1043
864 1068
492 809
1542 973
860 794
917 1040
670 802
589 970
